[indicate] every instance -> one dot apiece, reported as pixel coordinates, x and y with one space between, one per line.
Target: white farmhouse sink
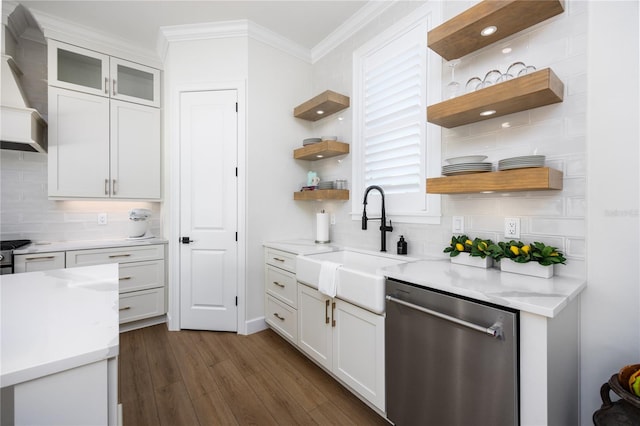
359 280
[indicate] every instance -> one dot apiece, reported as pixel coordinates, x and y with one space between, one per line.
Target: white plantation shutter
392 145
393 112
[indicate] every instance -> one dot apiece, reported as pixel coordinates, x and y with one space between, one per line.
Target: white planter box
478 262
530 268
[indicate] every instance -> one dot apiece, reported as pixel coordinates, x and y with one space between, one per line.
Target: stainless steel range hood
21 128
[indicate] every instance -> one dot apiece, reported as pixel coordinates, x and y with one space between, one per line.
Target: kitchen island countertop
545 297
57 320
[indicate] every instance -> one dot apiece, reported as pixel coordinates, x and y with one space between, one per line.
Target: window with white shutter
393 146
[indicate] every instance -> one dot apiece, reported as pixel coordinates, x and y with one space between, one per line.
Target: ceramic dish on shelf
310 141
466 159
329 138
522 162
464 168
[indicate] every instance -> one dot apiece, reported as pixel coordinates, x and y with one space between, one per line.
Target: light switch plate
512 227
457 224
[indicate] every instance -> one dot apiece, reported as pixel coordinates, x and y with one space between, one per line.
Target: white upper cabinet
75 68
134 82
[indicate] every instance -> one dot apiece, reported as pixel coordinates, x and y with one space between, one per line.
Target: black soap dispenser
402 245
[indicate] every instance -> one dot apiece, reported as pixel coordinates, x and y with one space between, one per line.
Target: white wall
277 83
610 314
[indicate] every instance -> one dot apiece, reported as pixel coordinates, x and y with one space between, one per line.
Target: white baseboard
142 323
255 325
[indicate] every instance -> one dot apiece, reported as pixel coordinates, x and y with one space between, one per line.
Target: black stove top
13 244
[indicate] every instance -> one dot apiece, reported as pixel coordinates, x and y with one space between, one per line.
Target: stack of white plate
521 162
310 141
465 165
325 185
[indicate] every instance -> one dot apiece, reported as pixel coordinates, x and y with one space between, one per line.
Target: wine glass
453 88
473 84
491 78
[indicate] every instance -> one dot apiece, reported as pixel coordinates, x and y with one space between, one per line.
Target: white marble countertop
56 320
48 247
303 247
539 296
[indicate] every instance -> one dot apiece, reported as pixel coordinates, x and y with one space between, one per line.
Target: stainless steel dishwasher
449 360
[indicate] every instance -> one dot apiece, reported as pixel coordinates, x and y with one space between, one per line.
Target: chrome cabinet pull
333 315
124 278
114 88
126 308
326 311
114 187
106 86
106 187
111 256
278 284
278 316
40 258
278 259
494 331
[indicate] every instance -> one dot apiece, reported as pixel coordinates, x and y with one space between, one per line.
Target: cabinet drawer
141 304
281 259
141 275
114 255
282 318
38 262
282 285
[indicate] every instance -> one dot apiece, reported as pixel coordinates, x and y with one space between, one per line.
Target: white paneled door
208 210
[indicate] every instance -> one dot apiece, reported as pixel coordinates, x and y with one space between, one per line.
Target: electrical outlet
457 224
332 218
512 227
102 218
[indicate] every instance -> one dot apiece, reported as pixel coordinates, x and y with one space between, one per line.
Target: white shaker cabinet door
135 151
78 144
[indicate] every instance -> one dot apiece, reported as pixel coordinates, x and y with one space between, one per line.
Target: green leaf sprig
463 244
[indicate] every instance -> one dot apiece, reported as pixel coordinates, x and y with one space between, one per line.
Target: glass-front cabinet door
75 68
134 82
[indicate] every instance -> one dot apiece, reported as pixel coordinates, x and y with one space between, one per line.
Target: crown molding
73 33
367 13
227 29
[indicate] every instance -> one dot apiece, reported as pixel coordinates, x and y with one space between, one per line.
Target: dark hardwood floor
212 378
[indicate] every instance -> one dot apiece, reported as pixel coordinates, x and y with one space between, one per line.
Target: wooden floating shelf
460 35
533 90
328 101
324 149
530 179
321 194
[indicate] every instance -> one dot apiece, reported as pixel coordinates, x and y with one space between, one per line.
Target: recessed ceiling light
489 112
319 156
506 50
488 31
319 112
506 124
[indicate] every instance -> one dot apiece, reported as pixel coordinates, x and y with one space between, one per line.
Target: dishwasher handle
494 331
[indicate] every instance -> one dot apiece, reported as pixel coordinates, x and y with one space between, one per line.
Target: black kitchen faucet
383 220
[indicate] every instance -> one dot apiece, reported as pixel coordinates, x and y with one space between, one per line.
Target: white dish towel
328 280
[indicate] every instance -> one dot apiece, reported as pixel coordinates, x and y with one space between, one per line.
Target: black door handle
186 240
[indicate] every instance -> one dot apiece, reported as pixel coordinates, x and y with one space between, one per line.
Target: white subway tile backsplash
570 227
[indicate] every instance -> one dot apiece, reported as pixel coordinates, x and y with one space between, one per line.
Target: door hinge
236 300
236 107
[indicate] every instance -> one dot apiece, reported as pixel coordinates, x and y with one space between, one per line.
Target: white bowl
466 159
